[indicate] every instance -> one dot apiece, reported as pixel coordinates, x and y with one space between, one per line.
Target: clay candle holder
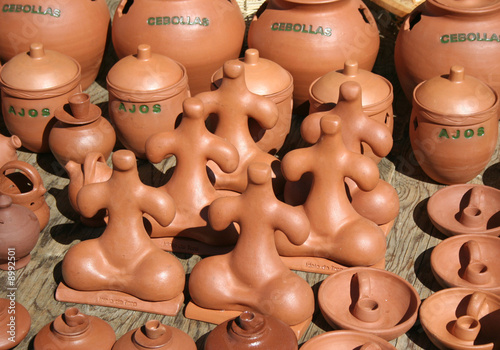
13 331
347 340
8 147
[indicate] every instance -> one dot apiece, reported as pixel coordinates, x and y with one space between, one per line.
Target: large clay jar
8 146
11 335
80 129
33 85
75 28
146 91
200 34
310 38
454 126
442 33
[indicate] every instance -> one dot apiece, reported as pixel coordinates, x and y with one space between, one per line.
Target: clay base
194 312
19 263
119 300
189 246
319 265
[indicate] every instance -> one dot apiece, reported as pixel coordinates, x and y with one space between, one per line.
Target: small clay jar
347 340
454 126
75 331
155 335
12 335
266 78
80 129
8 146
34 85
146 91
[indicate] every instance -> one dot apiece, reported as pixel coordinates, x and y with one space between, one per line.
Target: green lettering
328 32
471 37
156 108
494 37
282 27
480 131
206 22
48 11
468 133
288 27
12 110
151 21
311 31
132 110
275 26
461 37
33 113
18 8
445 39
26 8
319 30
143 109
158 21
57 13
175 20
5 8
304 28
45 112
443 133
479 38
197 20
456 136
297 27
166 20
23 113
122 107
453 38
12 8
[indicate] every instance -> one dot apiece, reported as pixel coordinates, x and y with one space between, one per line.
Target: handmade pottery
347 340
453 136
123 263
79 130
465 209
8 146
312 38
23 183
13 329
200 34
74 330
19 231
267 78
155 335
462 318
251 330
369 300
33 85
146 91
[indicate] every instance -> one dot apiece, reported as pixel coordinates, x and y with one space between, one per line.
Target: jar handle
123 7
29 170
90 166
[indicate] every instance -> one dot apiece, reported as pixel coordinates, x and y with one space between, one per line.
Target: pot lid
467 5
39 69
78 110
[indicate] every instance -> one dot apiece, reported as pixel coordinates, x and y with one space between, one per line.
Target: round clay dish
346 340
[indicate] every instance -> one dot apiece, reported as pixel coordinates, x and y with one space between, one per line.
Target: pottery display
74 330
13 329
462 318
79 130
23 183
8 147
146 90
251 330
347 340
34 85
312 38
155 335
200 34
267 78
369 300
123 263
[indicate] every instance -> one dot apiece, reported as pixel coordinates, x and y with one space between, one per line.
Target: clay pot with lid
22 323
146 91
74 330
347 340
34 84
8 146
199 34
454 126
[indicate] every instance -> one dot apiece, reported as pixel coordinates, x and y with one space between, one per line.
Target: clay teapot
8 146
199 34
74 330
13 332
347 340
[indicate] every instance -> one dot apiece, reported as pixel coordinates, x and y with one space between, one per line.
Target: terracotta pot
75 331
12 335
22 182
311 38
34 85
8 146
347 340
462 33
454 126
53 24
199 34
146 91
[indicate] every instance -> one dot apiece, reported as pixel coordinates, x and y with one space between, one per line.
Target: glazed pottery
267 78
74 330
465 209
251 330
8 146
155 335
34 85
442 33
311 38
123 263
462 318
146 91
23 183
347 340
454 136
200 34
13 327
79 130
369 300
53 24
467 261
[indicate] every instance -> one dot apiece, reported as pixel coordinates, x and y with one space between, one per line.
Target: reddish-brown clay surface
12 336
347 340
8 146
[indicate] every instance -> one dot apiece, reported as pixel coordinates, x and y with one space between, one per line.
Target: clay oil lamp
369 300
8 147
13 332
347 340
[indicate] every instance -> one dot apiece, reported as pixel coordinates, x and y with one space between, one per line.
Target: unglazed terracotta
123 259
155 335
462 318
442 33
267 78
347 340
252 277
8 147
13 328
23 183
74 330
453 136
146 90
251 330
369 300
200 34
312 38
465 209
79 130
34 84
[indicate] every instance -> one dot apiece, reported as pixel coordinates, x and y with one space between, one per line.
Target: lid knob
457 74
351 68
36 50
